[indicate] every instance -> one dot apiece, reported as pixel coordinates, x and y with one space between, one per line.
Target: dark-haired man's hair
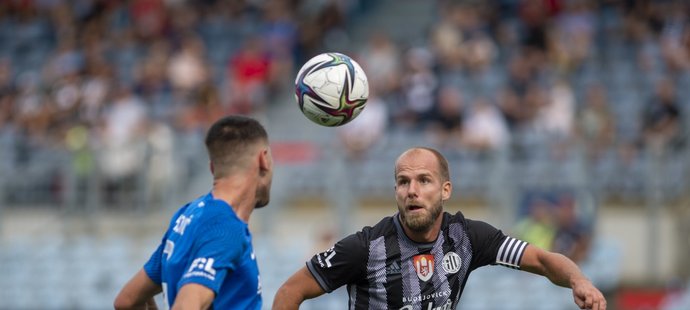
228 140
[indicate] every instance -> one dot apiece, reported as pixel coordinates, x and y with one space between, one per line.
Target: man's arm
298 288
563 272
193 296
137 293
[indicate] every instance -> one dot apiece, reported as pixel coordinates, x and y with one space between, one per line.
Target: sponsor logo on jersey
393 268
203 267
327 256
424 265
451 262
427 297
448 305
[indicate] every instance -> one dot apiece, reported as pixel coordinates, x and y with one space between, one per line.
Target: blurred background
565 123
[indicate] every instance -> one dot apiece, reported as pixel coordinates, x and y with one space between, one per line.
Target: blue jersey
208 244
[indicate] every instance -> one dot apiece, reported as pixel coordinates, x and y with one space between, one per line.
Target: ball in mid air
331 89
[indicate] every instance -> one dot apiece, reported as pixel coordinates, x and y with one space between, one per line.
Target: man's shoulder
209 208
384 227
456 217
210 214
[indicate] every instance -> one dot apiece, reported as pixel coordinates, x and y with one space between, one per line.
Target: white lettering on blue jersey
202 266
169 248
181 224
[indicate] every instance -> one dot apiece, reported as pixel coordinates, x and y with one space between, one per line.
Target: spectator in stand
484 128
510 105
280 34
419 84
555 115
571 40
595 123
7 94
675 38
661 119
520 75
187 68
537 226
149 18
380 59
152 81
250 72
122 148
447 37
366 130
572 237
446 121
67 60
7 86
203 110
461 40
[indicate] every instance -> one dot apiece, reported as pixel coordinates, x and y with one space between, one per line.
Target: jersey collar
401 231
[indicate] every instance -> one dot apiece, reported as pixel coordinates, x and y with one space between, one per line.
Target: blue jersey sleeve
221 246
153 266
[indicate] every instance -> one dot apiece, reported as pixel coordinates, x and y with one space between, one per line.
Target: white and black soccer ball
331 89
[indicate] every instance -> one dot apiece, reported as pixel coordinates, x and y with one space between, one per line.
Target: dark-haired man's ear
264 162
210 167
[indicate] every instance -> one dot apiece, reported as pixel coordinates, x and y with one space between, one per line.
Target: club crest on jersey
451 262
424 265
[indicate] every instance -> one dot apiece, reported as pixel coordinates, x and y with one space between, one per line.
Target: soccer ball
331 89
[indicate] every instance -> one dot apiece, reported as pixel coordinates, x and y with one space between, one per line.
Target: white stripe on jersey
510 252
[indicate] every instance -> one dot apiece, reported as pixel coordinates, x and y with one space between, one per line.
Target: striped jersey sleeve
510 252
490 246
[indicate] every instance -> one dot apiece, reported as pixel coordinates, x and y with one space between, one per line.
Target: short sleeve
153 265
491 247
220 246
341 264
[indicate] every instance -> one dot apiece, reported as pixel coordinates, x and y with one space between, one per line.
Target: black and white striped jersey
384 269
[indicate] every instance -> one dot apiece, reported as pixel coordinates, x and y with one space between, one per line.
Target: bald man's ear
446 191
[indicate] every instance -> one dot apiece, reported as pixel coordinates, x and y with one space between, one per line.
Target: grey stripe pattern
376 267
464 249
510 252
439 277
410 280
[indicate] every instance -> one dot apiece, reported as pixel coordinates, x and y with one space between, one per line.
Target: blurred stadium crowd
105 82
101 100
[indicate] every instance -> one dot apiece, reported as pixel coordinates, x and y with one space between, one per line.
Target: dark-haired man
206 259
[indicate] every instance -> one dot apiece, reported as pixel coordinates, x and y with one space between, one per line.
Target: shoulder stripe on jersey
510 252
509 242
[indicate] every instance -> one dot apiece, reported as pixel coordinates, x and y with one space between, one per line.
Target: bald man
421 257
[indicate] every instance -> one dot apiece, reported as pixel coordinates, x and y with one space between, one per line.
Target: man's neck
238 192
427 236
